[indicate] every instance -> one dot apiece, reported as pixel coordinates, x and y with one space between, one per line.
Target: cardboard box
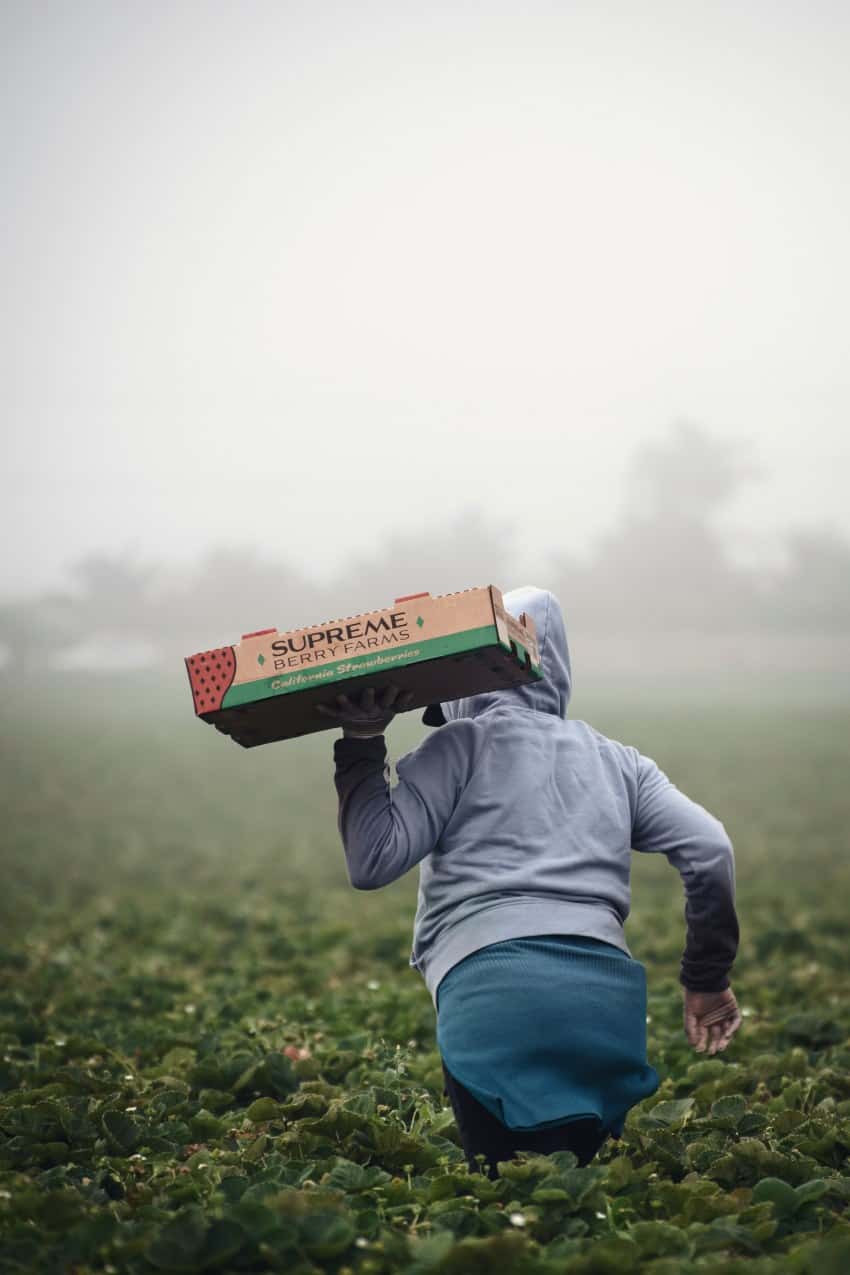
266 687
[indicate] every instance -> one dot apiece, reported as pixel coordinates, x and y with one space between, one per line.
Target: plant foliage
213 1060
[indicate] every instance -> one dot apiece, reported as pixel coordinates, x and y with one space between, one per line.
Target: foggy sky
300 275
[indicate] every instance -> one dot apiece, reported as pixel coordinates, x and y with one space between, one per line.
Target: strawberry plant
214 1057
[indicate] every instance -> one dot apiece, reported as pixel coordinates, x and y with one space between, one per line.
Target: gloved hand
711 1019
368 719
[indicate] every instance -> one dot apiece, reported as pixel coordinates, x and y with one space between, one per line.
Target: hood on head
549 694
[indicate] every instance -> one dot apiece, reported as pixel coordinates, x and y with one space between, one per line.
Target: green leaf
827 1256
659 1239
263 1109
220 1070
752 1122
365 1104
326 1233
178 1245
256 1149
255 1217
429 1253
123 1133
549 1194
206 1126
177 1060
526 1167
607 1257
619 1173
216 1099
223 1241
272 1076
810 1191
671 1112
782 1196
348 1176
723 1233
706 1069
729 1110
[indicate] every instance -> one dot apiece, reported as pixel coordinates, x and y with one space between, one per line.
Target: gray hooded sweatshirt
523 822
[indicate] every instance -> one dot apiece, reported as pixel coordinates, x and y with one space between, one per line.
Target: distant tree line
662 568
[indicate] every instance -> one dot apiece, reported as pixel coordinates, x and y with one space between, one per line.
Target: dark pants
481 1131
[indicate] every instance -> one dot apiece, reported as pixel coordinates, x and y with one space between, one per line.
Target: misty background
310 306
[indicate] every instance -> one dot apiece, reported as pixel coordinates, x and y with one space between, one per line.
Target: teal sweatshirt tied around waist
548 1029
523 822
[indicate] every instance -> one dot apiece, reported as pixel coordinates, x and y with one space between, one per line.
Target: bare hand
711 1019
369 717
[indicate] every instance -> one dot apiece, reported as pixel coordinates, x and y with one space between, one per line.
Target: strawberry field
214 1057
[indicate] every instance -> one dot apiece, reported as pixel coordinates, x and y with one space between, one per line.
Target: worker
522 821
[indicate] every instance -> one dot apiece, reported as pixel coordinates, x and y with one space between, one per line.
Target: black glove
368 719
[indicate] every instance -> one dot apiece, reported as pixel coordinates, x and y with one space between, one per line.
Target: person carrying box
523 821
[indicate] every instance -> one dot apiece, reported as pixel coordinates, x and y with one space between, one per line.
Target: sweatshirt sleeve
697 845
386 830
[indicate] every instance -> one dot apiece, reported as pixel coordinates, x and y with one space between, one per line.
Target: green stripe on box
520 646
301 679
